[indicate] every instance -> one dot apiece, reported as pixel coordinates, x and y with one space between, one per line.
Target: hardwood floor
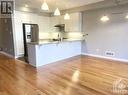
80 75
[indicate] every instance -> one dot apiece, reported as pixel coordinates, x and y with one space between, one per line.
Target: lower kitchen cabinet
40 55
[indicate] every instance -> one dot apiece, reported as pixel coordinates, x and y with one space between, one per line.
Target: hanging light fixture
45 6
126 17
57 12
66 16
105 18
26 5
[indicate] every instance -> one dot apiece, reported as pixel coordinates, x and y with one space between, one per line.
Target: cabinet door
61 19
74 24
54 21
71 25
19 37
68 25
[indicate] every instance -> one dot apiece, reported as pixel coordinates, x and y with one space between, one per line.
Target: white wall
109 36
24 17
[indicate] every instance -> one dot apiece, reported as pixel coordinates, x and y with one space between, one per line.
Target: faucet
84 36
59 37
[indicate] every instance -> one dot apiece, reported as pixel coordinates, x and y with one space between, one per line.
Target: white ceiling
61 4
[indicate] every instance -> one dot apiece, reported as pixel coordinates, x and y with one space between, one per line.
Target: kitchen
48 34
53 31
55 47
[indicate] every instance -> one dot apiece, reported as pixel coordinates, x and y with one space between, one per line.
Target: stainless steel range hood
61 27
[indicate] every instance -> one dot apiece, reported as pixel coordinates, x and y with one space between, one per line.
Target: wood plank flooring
81 75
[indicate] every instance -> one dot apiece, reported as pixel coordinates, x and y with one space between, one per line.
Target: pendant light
66 16
57 12
26 5
105 18
45 6
126 17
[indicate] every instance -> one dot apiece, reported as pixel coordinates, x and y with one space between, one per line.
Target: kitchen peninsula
45 52
63 42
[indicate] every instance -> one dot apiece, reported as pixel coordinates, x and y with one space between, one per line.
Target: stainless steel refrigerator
30 34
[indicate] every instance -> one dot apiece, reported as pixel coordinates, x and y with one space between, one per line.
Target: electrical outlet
110 53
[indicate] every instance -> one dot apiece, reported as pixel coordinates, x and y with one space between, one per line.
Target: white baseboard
11 55
7 54
19 56
105 57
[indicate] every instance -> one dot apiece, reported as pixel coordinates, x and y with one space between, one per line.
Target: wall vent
110 53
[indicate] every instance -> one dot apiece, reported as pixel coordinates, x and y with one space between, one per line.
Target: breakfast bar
45 52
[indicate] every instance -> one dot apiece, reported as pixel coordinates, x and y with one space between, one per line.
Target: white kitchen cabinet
54 21
18 36
40 55
74 23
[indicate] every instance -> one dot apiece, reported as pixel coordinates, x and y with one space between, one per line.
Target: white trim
22 55
105 57
11 55
7 54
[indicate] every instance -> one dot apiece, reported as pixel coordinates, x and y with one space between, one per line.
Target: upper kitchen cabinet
54 21
74 24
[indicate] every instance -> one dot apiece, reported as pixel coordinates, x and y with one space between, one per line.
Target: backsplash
74 35
48 35
54 35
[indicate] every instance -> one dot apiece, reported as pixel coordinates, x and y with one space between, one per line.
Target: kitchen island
45 52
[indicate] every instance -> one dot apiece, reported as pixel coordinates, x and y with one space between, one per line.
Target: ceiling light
57 12
66 16
126 16
26 5
105 18
45 6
